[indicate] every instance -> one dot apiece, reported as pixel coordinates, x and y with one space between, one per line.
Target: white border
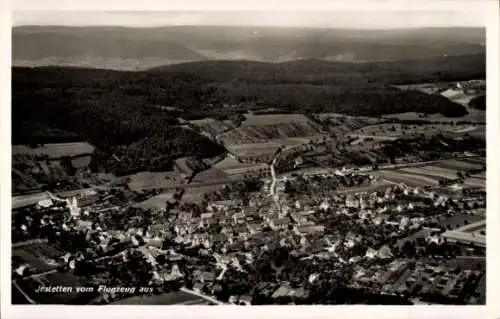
491 10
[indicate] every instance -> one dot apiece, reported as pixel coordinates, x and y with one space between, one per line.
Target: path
208 298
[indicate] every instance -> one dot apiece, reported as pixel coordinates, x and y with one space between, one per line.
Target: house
370 253
312 229
279 223
238 217
254 228
384 252
207 276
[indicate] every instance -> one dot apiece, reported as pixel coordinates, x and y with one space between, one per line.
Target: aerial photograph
248 158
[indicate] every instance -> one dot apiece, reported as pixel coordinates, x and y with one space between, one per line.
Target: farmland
29 286
269 127
156 202
195 194
172 298
263 152
259 137
37 255
33 167
212 127
148 180
338 123
53 151
407 178
460 220
461 93
399 130
431 174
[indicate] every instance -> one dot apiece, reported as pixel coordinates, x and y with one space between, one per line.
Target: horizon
241 27
356 20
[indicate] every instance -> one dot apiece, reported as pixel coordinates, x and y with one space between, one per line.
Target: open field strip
475 182
433 171
56 150
406 178
459 165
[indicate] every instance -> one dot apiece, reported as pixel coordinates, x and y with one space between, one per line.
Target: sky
326 19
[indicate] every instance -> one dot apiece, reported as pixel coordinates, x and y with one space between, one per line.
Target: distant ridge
125 48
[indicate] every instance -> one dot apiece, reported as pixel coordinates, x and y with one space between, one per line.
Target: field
459 220
269 127
212 127
413 180
194 194
338 123
172 298
147 180
418 234
37 255
54 150
399 130
156 202
380 186
431 174
263 152
64 279
451 91
467 262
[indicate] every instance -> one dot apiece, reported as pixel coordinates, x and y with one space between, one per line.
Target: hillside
108 110
132 118
142 48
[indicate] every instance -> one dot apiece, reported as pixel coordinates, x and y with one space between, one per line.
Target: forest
121 113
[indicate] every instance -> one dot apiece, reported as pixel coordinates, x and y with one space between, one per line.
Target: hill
110 110
142 48
132 117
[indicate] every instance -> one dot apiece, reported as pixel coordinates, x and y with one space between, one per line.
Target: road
31 301
272 189
208 298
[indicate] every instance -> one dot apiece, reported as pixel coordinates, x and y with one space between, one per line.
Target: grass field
212 127
380 186
475 182
195 194
459 220
457 165
415 180
398 130
146 180
63 279
339 123
433 173
270 127
259 152
156 202
466 262
172 298
55 150
37 255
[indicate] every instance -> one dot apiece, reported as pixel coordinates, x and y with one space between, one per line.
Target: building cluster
361 230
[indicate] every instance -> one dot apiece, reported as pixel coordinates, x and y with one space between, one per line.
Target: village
395 242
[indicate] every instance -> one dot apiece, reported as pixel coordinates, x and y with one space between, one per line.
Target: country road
208 298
